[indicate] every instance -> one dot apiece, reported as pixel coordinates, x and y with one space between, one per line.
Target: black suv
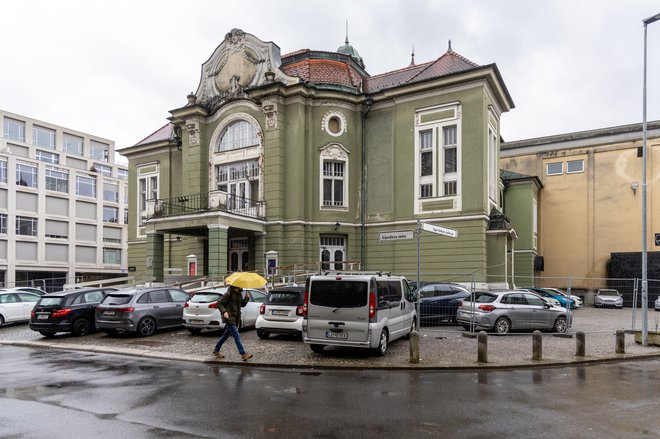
67 311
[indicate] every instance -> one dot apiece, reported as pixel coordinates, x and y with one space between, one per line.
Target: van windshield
339 294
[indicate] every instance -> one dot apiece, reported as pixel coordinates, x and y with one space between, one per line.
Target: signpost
396 236
440 230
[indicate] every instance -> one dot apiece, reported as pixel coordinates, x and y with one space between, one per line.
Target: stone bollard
537 345
580 344
620 341
414 347
482 347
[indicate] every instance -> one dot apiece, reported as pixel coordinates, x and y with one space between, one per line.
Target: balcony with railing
206 202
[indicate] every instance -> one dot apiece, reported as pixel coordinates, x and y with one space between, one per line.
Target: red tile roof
324 71
163 133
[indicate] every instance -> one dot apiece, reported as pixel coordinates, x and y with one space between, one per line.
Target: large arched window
239 134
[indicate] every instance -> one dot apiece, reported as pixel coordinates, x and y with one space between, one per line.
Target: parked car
439 302
357 310
37 291
67 311
504 311
608 297
282 312
16 306
201 311
547 293
141 310
576 299
544 295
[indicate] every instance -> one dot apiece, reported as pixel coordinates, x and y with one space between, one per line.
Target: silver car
504 311
141 310
607 297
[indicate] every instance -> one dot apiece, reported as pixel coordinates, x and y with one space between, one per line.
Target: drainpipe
363 183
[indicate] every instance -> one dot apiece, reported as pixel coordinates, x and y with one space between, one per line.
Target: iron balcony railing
205 202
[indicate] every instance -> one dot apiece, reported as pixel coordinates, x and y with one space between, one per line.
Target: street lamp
645 285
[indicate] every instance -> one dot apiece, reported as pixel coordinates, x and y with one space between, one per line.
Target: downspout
363 183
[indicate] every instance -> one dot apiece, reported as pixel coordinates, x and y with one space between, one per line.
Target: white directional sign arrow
440 230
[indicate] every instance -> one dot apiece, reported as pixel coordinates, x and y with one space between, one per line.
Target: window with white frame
3 223
3 171
26 226
110 191
47 157
86 186
493 166
334 177
332 252
112 256
535 226
103 170
43 137
574 166
26 175
14 129
147 184
239 134
99 151
556 168
57 180
438 154
122 174
110 214
73 144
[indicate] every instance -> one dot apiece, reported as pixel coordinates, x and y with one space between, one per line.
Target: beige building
591 202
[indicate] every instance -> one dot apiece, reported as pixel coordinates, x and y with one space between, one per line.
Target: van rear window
339 294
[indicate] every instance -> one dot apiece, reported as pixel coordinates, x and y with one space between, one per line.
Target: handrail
204 202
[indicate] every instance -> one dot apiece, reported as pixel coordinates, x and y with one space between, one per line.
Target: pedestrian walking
230 305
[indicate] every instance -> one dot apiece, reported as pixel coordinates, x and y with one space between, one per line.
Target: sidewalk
443 347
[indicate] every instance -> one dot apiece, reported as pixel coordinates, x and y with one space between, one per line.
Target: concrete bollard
620 341
482 347
537 345
580 344
414 347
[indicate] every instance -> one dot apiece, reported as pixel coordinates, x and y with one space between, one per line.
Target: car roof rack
356 273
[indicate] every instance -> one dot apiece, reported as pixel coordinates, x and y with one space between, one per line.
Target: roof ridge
447 53
159 129
403 69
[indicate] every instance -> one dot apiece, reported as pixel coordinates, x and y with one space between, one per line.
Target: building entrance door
238 254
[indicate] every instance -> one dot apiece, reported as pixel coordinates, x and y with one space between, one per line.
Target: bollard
580 344
482 347
414 347
537 345
620 341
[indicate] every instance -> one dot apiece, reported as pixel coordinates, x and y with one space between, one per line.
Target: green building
305 161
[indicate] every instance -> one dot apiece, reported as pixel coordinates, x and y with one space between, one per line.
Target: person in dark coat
230 305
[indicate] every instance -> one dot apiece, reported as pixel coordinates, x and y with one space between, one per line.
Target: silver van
358 310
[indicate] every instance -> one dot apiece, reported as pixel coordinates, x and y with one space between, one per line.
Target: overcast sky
116 68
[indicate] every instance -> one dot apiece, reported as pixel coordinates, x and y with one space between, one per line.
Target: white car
201 311
608 297
282 312
16 306
575 299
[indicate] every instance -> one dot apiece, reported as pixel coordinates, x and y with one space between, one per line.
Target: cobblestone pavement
440 346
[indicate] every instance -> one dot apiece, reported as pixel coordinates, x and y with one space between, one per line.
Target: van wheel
317 348
81 327
382 345
262 334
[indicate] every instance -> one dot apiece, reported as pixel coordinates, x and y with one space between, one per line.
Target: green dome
347 49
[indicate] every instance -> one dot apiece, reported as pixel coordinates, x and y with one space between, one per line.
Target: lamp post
645 289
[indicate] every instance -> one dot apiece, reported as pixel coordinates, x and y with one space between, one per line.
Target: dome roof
347 49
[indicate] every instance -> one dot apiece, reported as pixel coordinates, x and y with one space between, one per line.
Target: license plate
280 312
109 313
42 316
196 322
330 334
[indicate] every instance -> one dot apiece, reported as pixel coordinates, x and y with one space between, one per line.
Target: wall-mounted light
634 185
337 226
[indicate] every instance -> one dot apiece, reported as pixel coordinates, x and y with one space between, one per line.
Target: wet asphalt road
59 394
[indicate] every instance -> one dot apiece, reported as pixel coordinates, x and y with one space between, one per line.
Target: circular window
334 123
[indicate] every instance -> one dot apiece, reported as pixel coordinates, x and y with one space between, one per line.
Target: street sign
440 230
395 236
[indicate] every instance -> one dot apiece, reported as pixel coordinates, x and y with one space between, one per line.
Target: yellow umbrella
244 279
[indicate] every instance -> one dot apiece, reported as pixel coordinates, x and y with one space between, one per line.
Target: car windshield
608 293
205 297
285 298
117 299
485 297
339 294
51 301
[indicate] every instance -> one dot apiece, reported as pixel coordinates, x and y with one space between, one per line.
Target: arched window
239 134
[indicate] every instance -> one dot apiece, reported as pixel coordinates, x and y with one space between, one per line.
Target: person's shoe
246 357
218 355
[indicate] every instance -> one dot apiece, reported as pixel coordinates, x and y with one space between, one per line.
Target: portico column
217 251
155 265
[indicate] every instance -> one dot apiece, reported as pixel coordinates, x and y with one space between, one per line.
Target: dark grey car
141 310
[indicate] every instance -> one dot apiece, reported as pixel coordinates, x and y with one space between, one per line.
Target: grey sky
115 68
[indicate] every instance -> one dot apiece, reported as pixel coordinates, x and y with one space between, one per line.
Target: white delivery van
358 310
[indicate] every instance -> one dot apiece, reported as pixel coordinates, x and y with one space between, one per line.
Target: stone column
155 264
217 256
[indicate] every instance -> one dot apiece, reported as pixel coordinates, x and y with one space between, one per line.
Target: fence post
580 344
537 345
414 347
482 347
620 341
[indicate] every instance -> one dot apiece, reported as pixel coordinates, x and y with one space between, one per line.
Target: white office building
63 205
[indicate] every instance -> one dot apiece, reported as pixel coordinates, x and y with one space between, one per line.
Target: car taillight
372 305
262 309
486 308
213 305
127 309
300 311
459 303
305 302
33 314
61 312
186 305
